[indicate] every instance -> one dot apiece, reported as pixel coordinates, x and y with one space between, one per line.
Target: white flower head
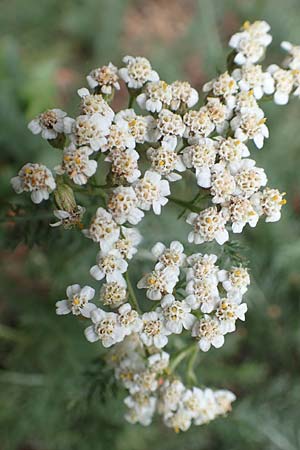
224 86
293 59
36 179
50 123
128 367
224 398
144 381
169 124
252 77
158 362
250 125
166 161
208 332
119 137
77 301
269 202
208 225
222 184
198 124
171 395
183 95
202 294
105 328
137 72
235 281
129 319
154 332
177 314
231 150
180 420
69 219
103 229
240 211
152 191
88 130
123 205
219 114
193 402
141 128
141 408
159 282
209 407
110 266
124 165
94 104
113 294
250 43
155 96
104 78
168 257
202 267
126 245
284 83
201 157
248 178
76 164
228 311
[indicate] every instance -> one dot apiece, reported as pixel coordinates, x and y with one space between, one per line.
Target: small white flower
202 294
240 212
293 60
156 95
154 331
208 225
88 130
252 77
158 362
209 407
109 265
141 408
137 72
126 245
77 301
228 311
202 267
269 202
103 229
169 124
142 128
94 104
128 368
208 332
193 402
68 219
224 399
124 165
123 205
113 294
224 86
284 83
159 282
105 328
165 160
183 95
105 78
151 191
219 114
235 281
129 319
179 421
231 150
177 314
198 124
248 178
222 184
76 164
119 137
250 42
170 396
50 123
201 157
144 381
36 179
245 102
250 125
168 257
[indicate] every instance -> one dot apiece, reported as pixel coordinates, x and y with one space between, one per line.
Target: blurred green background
54 392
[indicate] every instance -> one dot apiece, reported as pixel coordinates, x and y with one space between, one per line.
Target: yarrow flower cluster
194 295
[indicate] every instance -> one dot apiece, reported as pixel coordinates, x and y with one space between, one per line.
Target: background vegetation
54 392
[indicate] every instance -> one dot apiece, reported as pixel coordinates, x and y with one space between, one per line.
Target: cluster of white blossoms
141 152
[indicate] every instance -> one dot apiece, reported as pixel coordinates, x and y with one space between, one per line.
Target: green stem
132 298
181 356
130 101
180 202
191 376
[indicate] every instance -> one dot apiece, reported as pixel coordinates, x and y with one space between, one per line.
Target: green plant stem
132 298
187 205
191 376
181 356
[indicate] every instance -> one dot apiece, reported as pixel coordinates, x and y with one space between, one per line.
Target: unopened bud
64 197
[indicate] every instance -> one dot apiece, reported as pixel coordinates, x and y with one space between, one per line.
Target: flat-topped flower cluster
165 126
